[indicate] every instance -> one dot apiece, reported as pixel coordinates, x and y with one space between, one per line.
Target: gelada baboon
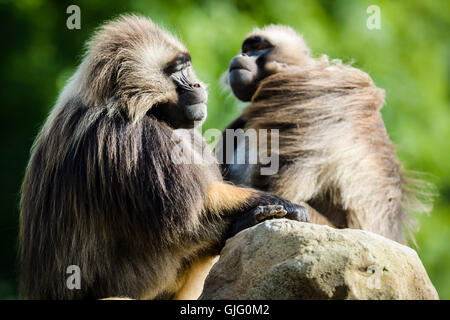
334 152
104 191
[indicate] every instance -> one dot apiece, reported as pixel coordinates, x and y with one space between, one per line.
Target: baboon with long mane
103 191
334 151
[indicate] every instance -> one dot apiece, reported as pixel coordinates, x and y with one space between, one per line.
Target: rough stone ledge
284 259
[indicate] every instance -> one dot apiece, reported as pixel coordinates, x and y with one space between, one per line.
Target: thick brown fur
102 191
335 153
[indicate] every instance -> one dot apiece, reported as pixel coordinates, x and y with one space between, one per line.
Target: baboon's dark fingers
269 211
299 214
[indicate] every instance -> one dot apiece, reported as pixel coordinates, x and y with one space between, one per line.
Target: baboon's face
179 97
247 68
136 66
189 107
264 52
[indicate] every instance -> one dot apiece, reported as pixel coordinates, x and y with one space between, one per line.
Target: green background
408 57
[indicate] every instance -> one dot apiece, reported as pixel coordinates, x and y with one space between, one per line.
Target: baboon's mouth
238 68
195 112
237 65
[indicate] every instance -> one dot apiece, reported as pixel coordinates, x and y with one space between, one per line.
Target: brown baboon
103 191
334 151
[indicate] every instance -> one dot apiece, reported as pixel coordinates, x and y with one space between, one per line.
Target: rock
284 259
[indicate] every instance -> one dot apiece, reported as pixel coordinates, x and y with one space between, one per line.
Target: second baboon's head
264 52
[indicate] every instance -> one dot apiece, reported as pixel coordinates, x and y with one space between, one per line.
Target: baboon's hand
287 210
261 213
296 212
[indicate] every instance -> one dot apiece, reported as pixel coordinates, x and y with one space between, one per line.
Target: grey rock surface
284 259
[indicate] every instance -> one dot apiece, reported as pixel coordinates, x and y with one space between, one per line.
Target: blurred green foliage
408 56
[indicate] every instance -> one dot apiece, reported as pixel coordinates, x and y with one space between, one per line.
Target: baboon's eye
261 46
182 61
177 67
255 44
